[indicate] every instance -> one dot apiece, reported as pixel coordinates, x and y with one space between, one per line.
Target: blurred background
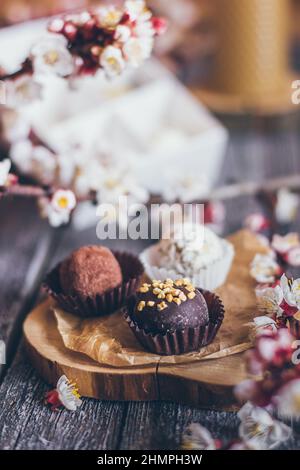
215 100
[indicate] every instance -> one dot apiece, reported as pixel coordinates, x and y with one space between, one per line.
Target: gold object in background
251 65
252 57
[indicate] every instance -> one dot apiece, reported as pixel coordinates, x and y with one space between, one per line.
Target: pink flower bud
160 25
70 31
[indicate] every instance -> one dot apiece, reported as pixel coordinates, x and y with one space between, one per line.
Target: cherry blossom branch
18 190
223 193
253 188
109 38
37 192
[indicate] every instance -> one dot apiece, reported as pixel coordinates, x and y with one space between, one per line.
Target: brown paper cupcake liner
99 305
181 341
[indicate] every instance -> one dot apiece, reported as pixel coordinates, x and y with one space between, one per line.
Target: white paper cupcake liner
209 278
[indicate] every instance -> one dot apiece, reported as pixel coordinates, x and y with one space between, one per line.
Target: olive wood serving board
207 382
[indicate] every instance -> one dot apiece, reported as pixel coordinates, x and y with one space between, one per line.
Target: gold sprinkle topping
168 291
141 306
156 291
190 288
162 306
144 289
191 295
182 296
176 292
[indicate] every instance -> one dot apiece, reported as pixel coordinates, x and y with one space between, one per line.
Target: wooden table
28 248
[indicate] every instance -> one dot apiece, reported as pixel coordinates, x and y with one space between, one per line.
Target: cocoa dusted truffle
90 271
168 306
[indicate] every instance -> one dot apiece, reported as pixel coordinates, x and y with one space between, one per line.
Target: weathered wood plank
27 423
158 426
25 242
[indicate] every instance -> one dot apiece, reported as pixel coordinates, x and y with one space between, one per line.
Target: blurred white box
174 132
159 122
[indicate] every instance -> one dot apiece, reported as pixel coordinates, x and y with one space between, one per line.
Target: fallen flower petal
65 394
259 431
196 437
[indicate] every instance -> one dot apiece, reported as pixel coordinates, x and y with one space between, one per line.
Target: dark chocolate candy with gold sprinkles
163 306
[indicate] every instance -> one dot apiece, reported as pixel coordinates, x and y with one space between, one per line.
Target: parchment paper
110 341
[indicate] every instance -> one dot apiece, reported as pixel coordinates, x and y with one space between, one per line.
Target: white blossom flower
137 9
293 256
21 155
89 177
144 29
68 394
196 437
283 244
51 55
63 200
117 182
17 129
287 400
109 17
5 166
264 325
120 189
36 161
259 431
269 300
137 50
245 390
66 169
286 206
112 61
58 209
264 269
78 18
122 33
256 222
185 188
268 347
22 91
291 291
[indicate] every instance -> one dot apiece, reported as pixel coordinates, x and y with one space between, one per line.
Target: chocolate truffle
89 271
168 306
